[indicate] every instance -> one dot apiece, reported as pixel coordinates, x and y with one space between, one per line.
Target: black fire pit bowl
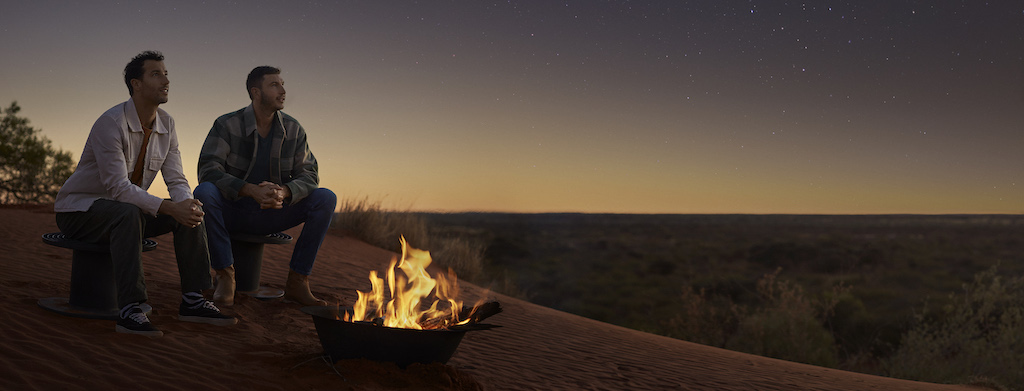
351 340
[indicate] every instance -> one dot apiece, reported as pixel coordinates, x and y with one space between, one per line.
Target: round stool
93 291
248 254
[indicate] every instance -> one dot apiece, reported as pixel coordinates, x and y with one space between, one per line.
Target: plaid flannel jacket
229 151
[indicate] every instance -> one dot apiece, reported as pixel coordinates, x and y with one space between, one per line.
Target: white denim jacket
109 158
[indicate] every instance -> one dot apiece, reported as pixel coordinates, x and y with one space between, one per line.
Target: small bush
704 319
977 336
31 170
855 330
787 326
783 324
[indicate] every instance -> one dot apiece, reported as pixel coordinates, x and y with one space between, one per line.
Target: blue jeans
245 216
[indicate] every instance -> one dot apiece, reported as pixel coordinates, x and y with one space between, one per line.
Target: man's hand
269 195
186 212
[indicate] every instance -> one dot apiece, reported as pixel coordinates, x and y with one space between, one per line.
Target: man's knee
124 218
123 211
324 198
206 191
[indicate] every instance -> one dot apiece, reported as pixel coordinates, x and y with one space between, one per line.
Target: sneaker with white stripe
136 322
204 312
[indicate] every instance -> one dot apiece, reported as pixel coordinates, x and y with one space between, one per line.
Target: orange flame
409 291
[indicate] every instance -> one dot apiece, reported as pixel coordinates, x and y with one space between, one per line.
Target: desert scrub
978 335
788 325
705 319
891 264
784 323
369 222
460 254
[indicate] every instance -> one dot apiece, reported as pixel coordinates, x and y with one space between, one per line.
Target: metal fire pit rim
323 311
347 340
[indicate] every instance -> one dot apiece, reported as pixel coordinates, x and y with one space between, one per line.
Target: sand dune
275 347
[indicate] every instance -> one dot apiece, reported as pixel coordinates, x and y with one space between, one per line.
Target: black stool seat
93 290
60 240
248 254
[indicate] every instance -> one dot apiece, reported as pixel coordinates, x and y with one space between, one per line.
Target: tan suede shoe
224 296
296 289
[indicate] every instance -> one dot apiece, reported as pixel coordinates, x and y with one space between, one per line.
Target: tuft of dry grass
459 254
367 221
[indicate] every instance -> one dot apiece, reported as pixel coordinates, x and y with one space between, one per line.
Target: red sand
275 347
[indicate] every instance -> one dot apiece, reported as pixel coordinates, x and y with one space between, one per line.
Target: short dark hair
255 78
134 68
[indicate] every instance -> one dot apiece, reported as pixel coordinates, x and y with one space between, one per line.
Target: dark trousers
124 226
223 217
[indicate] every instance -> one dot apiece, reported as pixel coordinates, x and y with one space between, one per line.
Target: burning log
469 318
481 312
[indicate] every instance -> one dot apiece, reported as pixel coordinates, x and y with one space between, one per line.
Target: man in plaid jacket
258 176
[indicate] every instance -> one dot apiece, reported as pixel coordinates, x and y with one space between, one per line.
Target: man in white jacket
106 199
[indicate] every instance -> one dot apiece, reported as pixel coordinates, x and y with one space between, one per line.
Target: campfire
407 316
409 292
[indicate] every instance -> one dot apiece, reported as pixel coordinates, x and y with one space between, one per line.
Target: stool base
60 305
264 292
248 254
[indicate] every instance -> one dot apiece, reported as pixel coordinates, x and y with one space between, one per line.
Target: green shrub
785 323
979 335
854 328
31 170
703 318
787 326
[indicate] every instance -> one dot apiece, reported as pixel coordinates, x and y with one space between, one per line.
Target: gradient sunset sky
829 107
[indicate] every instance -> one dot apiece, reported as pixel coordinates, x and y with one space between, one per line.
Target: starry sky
725 106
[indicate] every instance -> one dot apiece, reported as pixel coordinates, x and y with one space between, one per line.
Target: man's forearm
247 190
165 207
